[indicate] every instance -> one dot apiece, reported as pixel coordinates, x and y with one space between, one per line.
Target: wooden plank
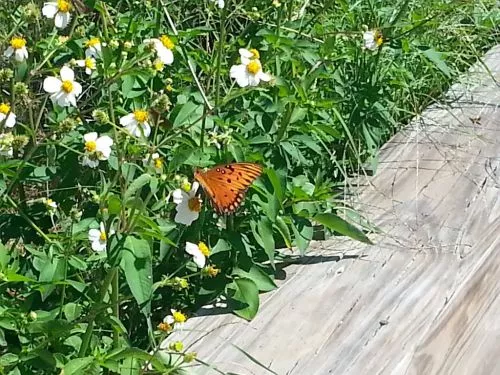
425 299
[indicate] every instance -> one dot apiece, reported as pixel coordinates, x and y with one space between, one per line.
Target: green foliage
98 259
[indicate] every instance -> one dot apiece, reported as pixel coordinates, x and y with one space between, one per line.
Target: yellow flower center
255 53
4 108
212 271
17 42
204 249
89 63
92 42
194 204
158 162
140 115
158 65
63 6
176 346
49 202
253 67
90 146
167 42
379 38
179 317
165 327
102 236
67 86
186 186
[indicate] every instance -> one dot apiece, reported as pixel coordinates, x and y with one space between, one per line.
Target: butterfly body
227 184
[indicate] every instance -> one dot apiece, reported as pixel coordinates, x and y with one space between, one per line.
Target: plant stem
115 305
90 327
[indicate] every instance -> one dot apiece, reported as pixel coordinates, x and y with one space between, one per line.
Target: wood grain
424 299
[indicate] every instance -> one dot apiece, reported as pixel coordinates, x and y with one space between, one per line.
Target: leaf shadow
222 308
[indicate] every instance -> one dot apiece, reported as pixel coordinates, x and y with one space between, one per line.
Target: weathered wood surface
424 299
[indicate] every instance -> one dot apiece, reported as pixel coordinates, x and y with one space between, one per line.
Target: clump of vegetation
108 109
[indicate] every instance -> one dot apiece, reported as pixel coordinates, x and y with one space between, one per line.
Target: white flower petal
87 162
184 215
11 120
67 74
19 55
90 137
191 248
169 319
127 120
179 195
263 76
199 260
104 141
98 246
71 99
52 84
94 235
49 10
8 52
77 89
61 19
245 53
253 80
194 188
165 55
146 129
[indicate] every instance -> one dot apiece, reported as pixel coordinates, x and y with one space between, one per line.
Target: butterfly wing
226 185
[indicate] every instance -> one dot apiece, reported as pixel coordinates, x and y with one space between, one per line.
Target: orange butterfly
227 184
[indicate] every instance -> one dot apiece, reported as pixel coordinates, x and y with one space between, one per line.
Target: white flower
177 318
7 118
59 11
96 148
98 238
65 90
17 48
247 55
94 48
50 205
198 252
154 159
220 3
6 145
89 64
137 123
163 47
249 72
188 205
372 39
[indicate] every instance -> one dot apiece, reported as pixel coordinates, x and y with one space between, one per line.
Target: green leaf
303 233
246 296
78 366
8 359
137 184
276 182
284 231
337 224
4 257
188 113
263 234
136 264
114 205
263 281
72 311
437 58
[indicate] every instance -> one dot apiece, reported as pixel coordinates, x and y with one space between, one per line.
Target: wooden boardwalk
425 298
